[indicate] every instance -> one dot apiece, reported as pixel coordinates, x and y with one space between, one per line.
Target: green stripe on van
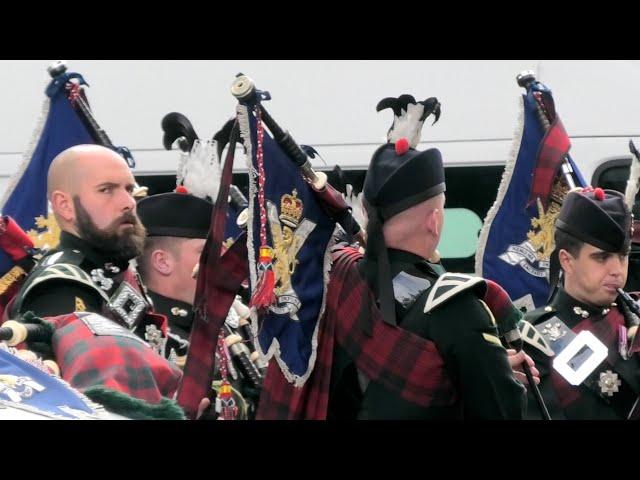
460 235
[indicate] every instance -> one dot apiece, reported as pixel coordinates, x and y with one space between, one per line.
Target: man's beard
120 246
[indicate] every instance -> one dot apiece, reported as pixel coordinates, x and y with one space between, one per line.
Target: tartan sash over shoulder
398 359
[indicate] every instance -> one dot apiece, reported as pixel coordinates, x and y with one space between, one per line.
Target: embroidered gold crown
291 209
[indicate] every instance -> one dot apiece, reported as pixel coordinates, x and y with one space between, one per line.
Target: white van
331 106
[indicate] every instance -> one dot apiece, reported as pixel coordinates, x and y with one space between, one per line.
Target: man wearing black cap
177 226
582 341
469 373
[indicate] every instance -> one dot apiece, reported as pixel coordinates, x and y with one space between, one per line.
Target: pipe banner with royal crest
517 237
300 234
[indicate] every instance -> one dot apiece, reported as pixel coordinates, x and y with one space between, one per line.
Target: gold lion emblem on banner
289 231
49 236
534 252
541 235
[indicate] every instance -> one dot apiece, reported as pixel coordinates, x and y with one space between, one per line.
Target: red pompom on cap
402 146
598 193
181 189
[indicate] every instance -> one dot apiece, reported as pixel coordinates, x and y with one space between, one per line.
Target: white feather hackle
633 183
357 209
199 171
408 125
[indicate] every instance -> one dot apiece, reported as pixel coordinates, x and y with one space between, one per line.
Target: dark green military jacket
180 319
608 393
66 280
465 334
74 277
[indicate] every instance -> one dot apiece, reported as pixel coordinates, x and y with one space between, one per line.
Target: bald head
77 165
90 179
418 228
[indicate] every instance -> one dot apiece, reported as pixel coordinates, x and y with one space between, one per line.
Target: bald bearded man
106 339
91 193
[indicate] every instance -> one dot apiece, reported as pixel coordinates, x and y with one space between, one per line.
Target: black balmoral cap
598 217
175 215
400 178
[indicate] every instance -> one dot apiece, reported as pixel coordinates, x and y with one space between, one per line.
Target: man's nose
617 266
128 201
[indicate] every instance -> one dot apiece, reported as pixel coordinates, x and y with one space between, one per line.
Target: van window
613 174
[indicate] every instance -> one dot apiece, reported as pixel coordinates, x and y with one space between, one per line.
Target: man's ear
565 259
62 205
439 224
431 221
162 261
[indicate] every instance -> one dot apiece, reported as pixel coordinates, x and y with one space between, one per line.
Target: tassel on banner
225 403
264 294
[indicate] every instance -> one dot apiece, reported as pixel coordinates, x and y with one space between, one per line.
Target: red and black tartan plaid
13 239
499 302
220 291
400 360
16 243
117 362
553 148
219 279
